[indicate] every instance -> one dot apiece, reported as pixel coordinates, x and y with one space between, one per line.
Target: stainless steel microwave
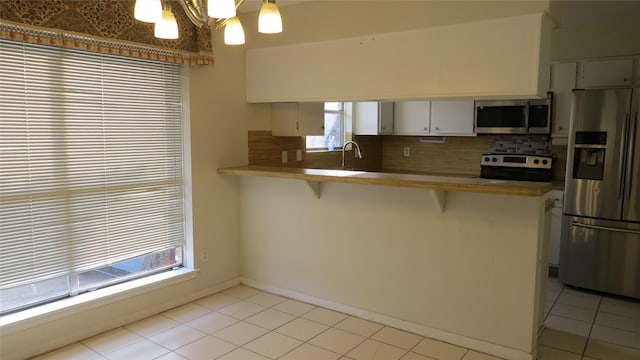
529 116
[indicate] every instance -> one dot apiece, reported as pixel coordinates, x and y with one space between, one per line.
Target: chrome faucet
358 152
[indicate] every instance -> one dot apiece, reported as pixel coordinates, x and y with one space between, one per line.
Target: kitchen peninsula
458 259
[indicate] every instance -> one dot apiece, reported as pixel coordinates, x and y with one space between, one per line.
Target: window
334 128
91 179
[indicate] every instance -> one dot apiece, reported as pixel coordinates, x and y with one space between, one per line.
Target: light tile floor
243 323
588 326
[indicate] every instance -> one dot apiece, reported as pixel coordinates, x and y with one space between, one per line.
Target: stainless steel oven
524 167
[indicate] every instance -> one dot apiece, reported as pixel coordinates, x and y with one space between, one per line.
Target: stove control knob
486 159
536 161
494 159
544 162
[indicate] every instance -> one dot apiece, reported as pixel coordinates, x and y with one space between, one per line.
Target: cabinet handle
426 128
297 125
437 129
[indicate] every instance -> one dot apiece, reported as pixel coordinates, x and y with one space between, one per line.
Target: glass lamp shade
233 32
221 9
269 20
167 28
148 10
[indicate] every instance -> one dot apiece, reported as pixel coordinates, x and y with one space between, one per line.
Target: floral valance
105 26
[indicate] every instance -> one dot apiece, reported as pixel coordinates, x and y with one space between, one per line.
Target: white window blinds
90 160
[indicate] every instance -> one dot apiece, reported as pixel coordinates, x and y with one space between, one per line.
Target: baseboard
455 339
52 342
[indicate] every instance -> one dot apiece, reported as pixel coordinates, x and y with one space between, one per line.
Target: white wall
219 116
469 271
330 20
505 57
592 29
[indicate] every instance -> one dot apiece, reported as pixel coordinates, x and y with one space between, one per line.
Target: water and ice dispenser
589 153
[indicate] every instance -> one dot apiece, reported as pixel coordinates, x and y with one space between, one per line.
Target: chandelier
221 13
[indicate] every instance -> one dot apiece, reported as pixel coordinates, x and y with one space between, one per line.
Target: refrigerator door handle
632 148
606 228
623 158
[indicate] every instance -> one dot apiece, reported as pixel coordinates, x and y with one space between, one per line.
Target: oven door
501 116
515 173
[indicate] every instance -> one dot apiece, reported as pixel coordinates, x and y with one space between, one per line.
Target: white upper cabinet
438 117
411 118
452 117
563 81
297 119
505 57
373 118
605 73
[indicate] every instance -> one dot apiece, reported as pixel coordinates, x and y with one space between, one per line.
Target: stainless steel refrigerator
600 245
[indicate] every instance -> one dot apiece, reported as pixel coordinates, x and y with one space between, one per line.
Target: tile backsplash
451 156
520 144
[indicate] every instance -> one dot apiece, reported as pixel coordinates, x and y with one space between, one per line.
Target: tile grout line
586 343
555 301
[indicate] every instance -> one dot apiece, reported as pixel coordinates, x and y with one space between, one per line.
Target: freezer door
601 255
631 204
595 160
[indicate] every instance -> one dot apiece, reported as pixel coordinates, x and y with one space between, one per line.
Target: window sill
323 150
64 307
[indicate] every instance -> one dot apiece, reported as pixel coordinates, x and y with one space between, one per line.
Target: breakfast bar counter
435 182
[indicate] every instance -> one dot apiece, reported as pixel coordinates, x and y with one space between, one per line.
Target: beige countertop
434 182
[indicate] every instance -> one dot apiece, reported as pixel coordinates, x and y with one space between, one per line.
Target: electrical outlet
298 155
284 157
205 255
407 152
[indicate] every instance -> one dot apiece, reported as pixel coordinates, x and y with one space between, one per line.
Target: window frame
343 115
187 259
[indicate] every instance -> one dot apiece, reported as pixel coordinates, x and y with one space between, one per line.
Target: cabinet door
563 81
284 119
450 117
311 119
385 120
366 116
606 73
412 118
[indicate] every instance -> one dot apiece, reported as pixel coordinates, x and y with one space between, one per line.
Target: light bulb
167 28
233 32
148 10
269 20
221 9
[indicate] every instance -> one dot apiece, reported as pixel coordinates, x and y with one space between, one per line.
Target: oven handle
607 228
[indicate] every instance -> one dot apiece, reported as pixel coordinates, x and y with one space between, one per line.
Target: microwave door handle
631 140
